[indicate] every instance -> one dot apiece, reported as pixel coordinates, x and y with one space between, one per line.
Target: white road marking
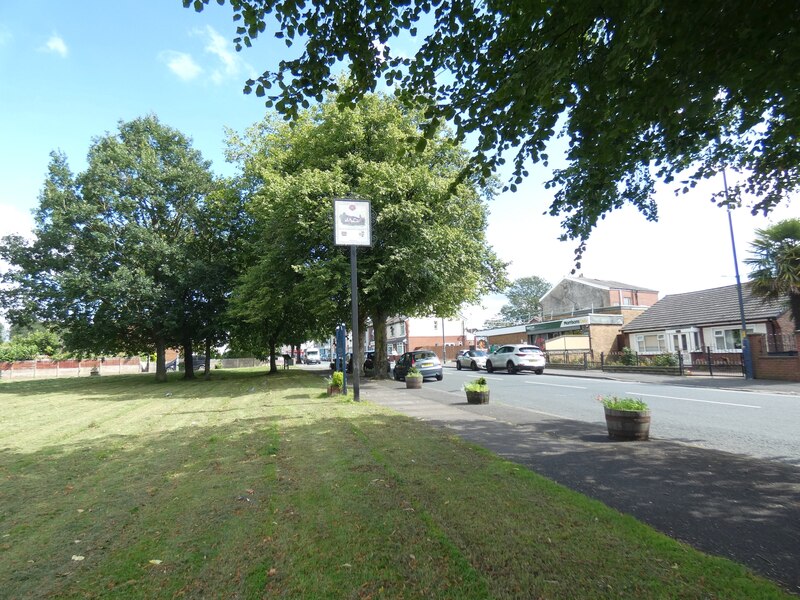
538 412
752 392
694 400
575 387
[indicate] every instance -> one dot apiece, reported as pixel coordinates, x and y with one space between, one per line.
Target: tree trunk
161 362
188 358
273 366
207 375
380 364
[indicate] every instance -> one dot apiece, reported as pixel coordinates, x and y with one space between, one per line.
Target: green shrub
628 357
477 385
624 403
337 379
664 360
414 372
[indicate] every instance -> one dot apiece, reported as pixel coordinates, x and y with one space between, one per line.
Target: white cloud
56 45
181 64
231 65
15 221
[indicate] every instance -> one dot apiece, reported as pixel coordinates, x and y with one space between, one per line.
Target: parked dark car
426 362
198 362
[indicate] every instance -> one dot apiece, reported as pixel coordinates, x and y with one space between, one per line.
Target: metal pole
354 302
444 346
748 364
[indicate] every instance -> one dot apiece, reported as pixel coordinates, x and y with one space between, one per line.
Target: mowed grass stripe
250 486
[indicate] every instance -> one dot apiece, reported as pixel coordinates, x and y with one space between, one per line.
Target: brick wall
604 338
508 338
771 366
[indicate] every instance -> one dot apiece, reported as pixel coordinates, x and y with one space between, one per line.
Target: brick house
707 320
580 314
444 336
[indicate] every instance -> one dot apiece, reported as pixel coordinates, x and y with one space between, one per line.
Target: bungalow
696 323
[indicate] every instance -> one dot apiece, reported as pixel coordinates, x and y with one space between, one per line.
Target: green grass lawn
254 486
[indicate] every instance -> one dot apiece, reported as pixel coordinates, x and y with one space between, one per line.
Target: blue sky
70 71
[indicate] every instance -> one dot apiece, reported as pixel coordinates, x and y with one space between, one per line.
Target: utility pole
746 358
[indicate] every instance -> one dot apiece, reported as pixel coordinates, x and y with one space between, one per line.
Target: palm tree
776 264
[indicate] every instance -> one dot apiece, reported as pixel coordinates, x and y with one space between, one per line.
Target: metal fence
781 343
667 363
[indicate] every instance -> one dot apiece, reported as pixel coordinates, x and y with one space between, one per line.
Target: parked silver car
471 359
516 357
425 361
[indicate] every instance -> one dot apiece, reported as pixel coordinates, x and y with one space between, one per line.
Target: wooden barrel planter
478 397
628 424
413 383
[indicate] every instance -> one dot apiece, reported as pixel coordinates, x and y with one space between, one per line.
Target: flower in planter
336 379
626 418
477 391
624 403
414 372
477 385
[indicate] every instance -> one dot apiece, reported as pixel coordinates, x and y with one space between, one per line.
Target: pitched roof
610 284
716 306
605 284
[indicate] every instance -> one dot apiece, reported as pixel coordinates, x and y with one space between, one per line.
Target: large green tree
645 90
429 252
109 263
523 301
776 264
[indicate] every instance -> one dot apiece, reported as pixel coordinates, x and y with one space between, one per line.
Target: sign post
352 225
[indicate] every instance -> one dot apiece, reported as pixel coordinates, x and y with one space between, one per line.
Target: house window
626 301
391 330
727 340
652 342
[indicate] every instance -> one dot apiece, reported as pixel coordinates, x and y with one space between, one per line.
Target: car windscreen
423 355
478 353
529 350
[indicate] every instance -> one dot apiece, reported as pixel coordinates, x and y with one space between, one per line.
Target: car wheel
458 365
511 368
439 377
539 371
474 366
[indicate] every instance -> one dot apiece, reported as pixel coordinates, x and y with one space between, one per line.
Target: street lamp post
746 358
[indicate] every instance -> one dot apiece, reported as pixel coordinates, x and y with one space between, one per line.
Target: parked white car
471 359
516 357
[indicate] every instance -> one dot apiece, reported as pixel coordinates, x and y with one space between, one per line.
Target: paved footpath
725 504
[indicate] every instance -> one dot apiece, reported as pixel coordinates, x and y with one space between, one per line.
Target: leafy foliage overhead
646 90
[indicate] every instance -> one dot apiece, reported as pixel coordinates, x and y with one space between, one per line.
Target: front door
681 342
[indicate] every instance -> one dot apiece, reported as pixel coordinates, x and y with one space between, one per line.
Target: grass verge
248 486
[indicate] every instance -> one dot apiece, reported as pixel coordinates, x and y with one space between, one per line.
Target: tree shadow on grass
725 504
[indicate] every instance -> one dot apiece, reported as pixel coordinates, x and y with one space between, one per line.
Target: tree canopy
776 264
523 302
429 252
110 264
646 91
